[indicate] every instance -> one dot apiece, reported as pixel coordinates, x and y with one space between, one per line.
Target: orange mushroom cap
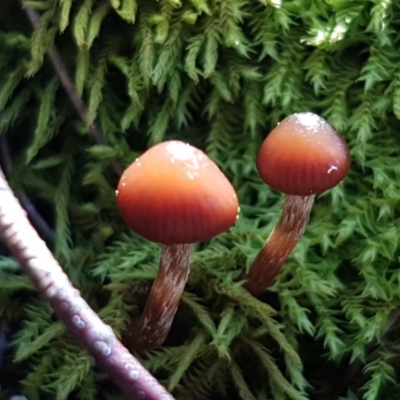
303 155
175 194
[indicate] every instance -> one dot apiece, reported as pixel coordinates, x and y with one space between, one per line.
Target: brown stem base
152 328
280 244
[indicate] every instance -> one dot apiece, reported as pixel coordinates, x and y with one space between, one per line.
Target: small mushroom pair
175 195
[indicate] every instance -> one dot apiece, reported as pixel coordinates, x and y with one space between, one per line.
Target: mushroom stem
152 328
280 243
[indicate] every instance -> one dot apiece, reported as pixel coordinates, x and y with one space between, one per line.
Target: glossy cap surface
174 194
303 155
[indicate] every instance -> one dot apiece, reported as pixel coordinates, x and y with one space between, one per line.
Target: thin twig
34 216
392 320
4 330
69 87
48 277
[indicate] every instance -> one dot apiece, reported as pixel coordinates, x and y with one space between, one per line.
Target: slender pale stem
152 328
280 244
48 277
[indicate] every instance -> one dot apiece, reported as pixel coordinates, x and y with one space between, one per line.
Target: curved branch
51 281
34 216
69 88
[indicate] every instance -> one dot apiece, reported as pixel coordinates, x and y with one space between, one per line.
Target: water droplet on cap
332 168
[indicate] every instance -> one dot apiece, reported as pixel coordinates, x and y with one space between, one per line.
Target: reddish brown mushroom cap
303 155
174 194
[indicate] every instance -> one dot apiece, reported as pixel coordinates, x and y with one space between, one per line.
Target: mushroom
174 194
301 157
